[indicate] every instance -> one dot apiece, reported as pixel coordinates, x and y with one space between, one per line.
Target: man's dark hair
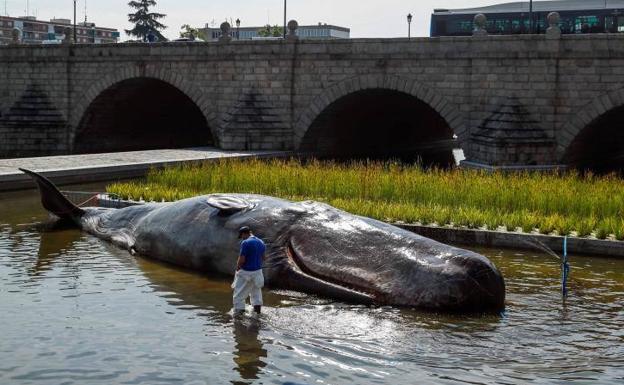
244 230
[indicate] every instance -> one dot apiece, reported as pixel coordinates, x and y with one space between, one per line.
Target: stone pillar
480 22
511 139
69 38
226 32
16 36
292 30
553 31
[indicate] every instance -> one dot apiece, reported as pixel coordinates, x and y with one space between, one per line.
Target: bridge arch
402 102
593 138
157 88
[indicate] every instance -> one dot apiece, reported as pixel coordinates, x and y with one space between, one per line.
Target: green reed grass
547 203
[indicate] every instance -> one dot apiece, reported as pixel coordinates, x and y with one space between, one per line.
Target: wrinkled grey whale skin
311 247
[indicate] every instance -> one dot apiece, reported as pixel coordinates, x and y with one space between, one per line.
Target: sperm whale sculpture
311 247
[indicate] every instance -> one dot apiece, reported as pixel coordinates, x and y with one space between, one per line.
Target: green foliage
268 31
145 21
562 203
191 33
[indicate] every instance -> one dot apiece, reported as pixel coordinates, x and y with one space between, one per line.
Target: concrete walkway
74 169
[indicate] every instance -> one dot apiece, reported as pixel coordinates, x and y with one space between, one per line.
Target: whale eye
228 204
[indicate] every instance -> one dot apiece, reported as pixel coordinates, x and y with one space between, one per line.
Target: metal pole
530 16
285 18
565 268
74 21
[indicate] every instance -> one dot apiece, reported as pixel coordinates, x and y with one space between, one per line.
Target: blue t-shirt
252 249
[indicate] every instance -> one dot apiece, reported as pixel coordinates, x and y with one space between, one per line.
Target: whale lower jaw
297 277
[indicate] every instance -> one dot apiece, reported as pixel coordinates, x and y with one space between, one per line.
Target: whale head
331 252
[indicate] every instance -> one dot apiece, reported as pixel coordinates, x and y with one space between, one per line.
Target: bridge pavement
72 169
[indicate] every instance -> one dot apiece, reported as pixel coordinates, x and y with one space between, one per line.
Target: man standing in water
249 280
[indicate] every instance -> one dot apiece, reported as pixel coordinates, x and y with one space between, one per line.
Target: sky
385 18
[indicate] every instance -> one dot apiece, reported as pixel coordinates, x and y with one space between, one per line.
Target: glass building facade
586 16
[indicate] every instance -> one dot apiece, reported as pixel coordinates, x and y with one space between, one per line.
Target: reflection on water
75 310
249 351
51 245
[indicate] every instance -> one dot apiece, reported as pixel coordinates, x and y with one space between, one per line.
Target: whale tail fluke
53 200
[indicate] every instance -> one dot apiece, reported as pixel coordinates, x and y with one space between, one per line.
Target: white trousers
247 284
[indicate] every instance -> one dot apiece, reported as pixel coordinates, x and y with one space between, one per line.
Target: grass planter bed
551 204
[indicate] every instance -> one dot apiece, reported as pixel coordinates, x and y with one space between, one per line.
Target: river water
75 310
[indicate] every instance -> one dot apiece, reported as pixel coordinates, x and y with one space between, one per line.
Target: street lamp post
409 26
285 18
237 29
530 16
74 21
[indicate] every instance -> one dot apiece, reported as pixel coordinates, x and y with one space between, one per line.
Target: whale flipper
53 200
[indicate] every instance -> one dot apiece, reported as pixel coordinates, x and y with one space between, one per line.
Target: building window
620 24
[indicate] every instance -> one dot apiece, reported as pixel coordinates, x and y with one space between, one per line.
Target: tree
189 32
145 21
268 31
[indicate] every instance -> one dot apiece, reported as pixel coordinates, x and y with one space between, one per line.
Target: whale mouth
307 280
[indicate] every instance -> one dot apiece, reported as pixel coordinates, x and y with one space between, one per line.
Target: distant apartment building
35 31
320 31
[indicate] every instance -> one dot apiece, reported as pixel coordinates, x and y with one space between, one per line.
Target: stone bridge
507 101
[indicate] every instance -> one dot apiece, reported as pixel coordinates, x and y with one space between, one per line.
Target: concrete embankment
75 169
513 240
